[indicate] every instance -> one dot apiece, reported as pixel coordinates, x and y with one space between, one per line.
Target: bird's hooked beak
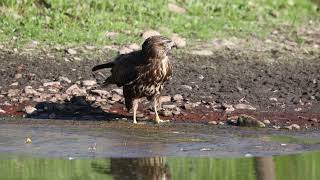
170 44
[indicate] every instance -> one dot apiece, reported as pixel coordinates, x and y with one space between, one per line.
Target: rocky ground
271 82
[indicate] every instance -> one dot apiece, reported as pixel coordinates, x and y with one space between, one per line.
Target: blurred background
123 21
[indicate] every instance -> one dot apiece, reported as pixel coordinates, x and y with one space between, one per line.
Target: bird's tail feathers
100 77
103 66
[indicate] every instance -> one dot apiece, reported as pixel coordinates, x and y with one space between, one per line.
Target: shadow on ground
78 108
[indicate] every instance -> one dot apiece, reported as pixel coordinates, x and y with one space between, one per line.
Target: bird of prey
142 73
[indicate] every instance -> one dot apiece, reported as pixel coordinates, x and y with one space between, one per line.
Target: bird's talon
158 121
142 123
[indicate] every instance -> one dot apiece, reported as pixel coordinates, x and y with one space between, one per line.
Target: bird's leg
157 119
135 108
159 104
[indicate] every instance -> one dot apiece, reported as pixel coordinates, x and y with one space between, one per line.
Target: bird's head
157 46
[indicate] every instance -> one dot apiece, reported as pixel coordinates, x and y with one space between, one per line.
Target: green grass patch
87 21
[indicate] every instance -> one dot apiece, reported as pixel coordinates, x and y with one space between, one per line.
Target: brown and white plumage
141 73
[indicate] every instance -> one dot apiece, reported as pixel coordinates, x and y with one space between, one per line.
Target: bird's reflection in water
153 168
265 168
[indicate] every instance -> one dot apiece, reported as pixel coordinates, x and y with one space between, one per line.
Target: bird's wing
128 68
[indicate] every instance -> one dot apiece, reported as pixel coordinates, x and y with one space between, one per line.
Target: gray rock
176 111
140 115
111 102
298 109
13 99
53 90
2 111
30 91
164 99
116 97
213 122
91 98
187 87
179 41
23 99
245 120
273 99
266 121
177 98
314 120
100 100
64 79
102 93
54 83
276 127
134 46
228 108
89 82
39 99
30 110
75 90
13 92
201 77
40 89
293 127
244 106
14 84
169 106
166 113
88 47
149 33
71 51
189 106
125 50
18 76
77 59
118 91
63 97
53 99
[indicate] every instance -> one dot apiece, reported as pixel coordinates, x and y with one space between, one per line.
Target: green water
290 167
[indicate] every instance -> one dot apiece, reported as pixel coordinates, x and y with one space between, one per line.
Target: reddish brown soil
197 115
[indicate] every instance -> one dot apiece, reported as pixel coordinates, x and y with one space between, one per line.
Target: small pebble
248 155
30 109
213 122
28 140
266 121
71 158
205 149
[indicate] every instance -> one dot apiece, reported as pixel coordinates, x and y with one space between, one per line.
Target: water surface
183 152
